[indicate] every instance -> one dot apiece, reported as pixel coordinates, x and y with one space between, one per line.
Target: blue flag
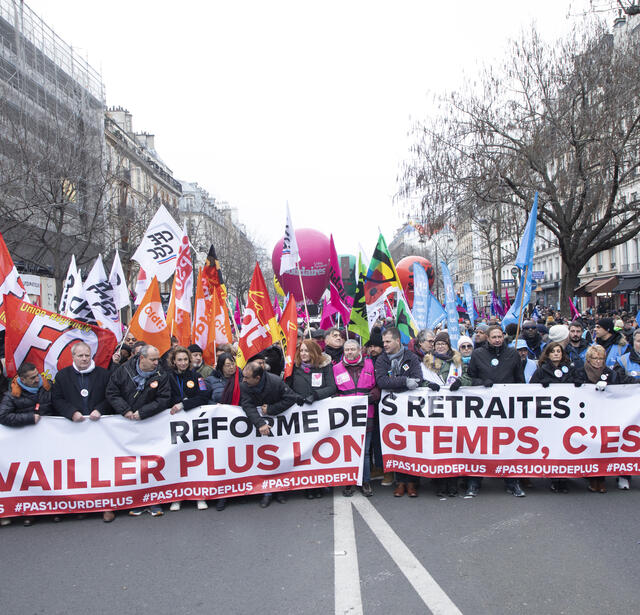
524 260
435 313
638 318
420 296
468 299
524 257
450 305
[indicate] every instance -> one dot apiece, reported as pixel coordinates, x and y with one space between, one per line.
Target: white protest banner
58 466
158 250
513 430
99 293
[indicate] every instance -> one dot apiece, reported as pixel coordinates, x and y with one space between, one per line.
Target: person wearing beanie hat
559 333
614 342
480 335
533 338
443 366
374 345
197 364
528 364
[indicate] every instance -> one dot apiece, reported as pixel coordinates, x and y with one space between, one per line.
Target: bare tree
563 120
53 178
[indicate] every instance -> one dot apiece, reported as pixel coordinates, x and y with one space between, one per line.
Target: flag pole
304 299
522 280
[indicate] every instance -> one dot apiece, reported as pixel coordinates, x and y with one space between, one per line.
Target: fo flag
72 275
158 251
100 296
76 304
45 338
119 283
10 282
148 323
260 329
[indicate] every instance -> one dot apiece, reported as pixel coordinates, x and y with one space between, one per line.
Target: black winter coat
185 388
123 394
302 382
272 391
18 407
546 374
613 376
509 369
410 367
66 397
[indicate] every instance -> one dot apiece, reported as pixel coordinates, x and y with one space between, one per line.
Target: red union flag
45 338
10 282
183 279
260 328
289 326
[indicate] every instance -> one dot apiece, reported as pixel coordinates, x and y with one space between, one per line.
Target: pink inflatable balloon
314 265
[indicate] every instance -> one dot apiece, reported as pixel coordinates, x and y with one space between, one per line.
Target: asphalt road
546 553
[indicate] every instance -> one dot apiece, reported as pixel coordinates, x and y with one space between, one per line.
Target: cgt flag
260 329
10 282
45 338
289 327
148 323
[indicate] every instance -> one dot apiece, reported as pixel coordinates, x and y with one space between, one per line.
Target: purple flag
339 300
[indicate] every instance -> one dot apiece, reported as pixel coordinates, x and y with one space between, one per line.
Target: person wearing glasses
533 338
423 344
596 371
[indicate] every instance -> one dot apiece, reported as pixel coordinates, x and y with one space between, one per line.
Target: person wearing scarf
28 398
443 366
226 372
188 391
595 371
555 367
79 392
138 390
354 375
312 380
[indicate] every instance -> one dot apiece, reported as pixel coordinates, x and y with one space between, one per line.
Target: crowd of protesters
140 383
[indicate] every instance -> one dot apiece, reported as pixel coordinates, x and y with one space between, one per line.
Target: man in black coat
79 389
533 338
263 394
496 363
140 389
28 398
398 369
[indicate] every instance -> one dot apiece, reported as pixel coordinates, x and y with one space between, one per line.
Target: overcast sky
267 101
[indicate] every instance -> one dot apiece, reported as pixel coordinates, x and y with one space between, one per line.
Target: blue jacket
631 368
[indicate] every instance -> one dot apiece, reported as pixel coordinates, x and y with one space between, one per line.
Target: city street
546 553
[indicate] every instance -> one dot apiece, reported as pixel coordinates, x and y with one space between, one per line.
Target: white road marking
348 599
425 585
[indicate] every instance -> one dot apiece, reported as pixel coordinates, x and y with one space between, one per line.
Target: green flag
404 321
358 322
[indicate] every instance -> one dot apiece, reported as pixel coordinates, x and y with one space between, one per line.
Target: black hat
375 337
607 324
194 348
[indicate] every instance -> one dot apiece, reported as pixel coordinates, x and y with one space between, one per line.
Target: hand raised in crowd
177 408
95 415
116 357
77 417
